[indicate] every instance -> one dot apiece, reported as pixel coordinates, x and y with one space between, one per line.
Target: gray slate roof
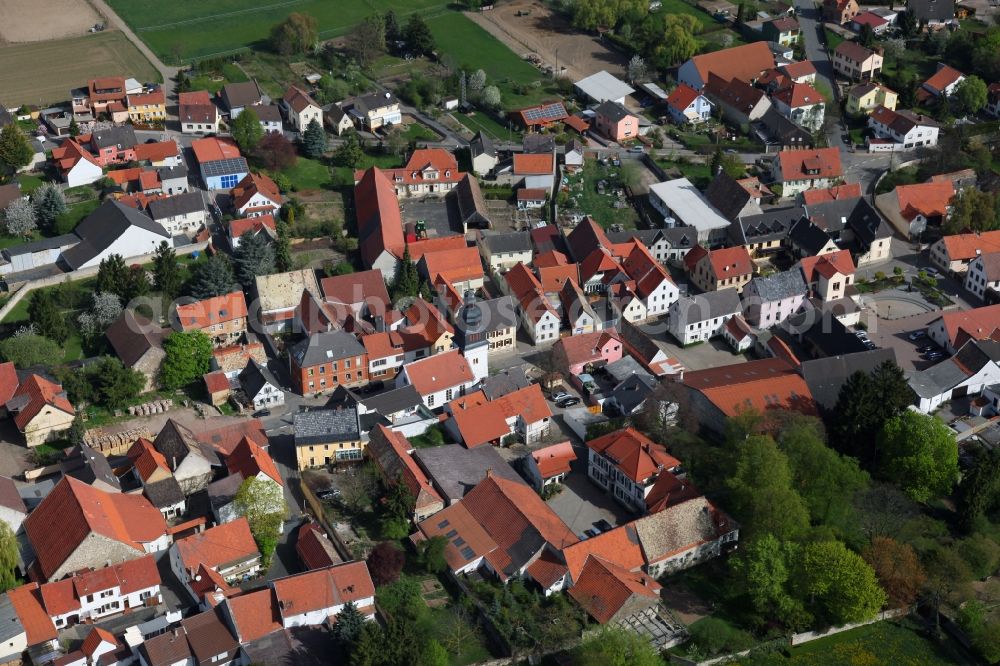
624 368
631 392
808 236
103 227
728 196
498 313
238 95
394 400
163 493
254 377
10 622
647 237
482 144
778 286
826 376
179 204
710 305
123 137
42 244
321 426
455 470
784 131
504 382
771 225
515 241
91 466
613 111
947 374
325 347
171 172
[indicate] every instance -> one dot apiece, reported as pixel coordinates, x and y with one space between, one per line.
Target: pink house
114 145
768 301
574 354
616 122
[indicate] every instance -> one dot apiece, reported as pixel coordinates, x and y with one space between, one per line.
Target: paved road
814 43
168 73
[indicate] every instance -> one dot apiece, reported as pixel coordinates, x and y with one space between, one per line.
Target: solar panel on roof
547 112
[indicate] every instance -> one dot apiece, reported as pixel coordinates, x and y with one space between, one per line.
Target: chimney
489 472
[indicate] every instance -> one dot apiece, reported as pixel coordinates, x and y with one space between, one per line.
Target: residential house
953 329
578 315
614 595
328 437
644 349
769 301
392 454
147 108
75 164
93 595
173 179
943 83
682 205
225 552
279 294
800 170
603 87
720 393
983 276
179 214
327 360
626 464
107 95
738 334
549 465
337 119
269 117
653 285
932 12
538 316
263 225
500 320
578 353
501 251
802 104
974 367
911 208
698 318
460 268
438 379
534 170
685 105
262 390
683 535
476 420
314 547
807 239
362 293
375 110
864 98
745 63
256 195
877 24
616 122
191 461
531 198
851 222
840 12
429 171
301 109
314 597
12 508
221 318
484 154
219 162
78 526
726 268
780 133
238 96
829 276
740 102
204 639
734 201
904 129
501 527
197 113
855 62
954 253
39 407
114 145
766 233
400 408
784 30
573 155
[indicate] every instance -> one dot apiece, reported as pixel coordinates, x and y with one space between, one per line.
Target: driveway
581 503
814 44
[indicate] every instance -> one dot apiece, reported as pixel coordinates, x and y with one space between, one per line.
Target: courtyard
581 503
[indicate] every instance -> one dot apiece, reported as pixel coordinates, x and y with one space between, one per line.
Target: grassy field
477 121
601 206
520 83
308 174
44 72
182 31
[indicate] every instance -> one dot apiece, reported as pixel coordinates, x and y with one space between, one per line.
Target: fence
807 636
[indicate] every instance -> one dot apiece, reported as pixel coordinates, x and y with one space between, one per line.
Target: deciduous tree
30 349
616 647
262 503
977 493
491 97
188 357
14 149
296 34
367 40
276 152
19 218
764 569
761 489
246 130
386 563
897 568
841 584
973 210
9 555
918 453
971 94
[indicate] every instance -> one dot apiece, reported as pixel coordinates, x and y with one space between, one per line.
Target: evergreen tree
112 276
213 278
314 140
246 130
166 276
44 313
349 624
282 248
49 204
407 282
74 129
14 149
254 256
392 30
418 35
978 492
136 283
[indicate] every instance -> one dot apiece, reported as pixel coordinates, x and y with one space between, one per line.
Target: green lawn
29 182
11 241
681 7
417 132
478 121
308 174
601 206
700 175
66 222
183 31
900 644
520 83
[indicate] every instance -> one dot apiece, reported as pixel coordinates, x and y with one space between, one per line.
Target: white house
438 379
12 509
312 598
693 319
225 552
256 195
984 275
90 596
538 317
973 368
768 301
626 464
261 388
75 164
182 213
688 106
301 109
484 154
653 285
907 130
114 228
802 104
505 250
801 170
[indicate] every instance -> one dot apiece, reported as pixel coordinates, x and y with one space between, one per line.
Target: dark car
916 335
603 525
926 348
934 355
329 493
568 402
262 414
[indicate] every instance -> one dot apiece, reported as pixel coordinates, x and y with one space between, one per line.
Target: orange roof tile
248 460
761 385
682 97
533 164
94 640
798 95
835 193
146 458
668 490
731 261
927 199
439 372
454 265
827 265
253 184
27 603
8 382
255 614
461 524
587 348
604 588
944 77
380 223
554 459
156 152
242 225
212 311
810 164
960 247
225 438
314 548
423 161
212 149
978 323
744 62
547 570
216 382
323 588
637 456
217 546
481 421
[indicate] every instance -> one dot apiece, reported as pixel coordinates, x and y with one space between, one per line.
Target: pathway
168 73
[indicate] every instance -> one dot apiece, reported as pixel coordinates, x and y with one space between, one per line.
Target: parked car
636 149
262 413
568 402
916 335
934 355
329 493
926 348
930 270
561 395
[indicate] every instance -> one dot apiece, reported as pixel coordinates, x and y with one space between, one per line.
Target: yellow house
147 107
864 97
40 408
328 437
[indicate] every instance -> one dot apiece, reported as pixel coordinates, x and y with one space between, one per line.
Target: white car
559 396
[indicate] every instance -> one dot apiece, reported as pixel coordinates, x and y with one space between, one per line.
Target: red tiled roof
156 152
255 614
253 184
637 456
835 193
798 95
604 588
216 382
797 70
554 278
761 385
810 164
242 225
978 323
744 62
27 603
323 588
554 459
668 490
547 570
586 348
8 382
146 458
927 199
577 123
827 265
730 261
73 511
868 18
94 640
212 149
354 288
533 164
39 393
217 546
481 421
524 286
380 222
248 460
66 155
682 97
225 438
423 160
944 77
298 100
620 545
212 311
960 247
314 548
439 372
531 194
459 265
853 51
194 97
